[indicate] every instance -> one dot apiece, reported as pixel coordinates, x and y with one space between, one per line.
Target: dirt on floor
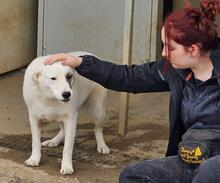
146 138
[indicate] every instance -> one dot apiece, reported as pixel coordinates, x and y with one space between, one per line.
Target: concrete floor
146 138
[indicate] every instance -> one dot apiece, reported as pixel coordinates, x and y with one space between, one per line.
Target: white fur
44 100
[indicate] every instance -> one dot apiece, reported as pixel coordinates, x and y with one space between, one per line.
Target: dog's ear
36 76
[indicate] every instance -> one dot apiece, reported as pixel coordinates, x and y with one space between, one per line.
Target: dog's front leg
70 131
34 159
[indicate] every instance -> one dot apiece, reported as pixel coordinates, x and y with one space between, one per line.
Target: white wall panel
95 26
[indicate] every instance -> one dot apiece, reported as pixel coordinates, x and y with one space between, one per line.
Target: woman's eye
53 78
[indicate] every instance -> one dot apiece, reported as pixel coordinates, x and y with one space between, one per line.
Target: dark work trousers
171 170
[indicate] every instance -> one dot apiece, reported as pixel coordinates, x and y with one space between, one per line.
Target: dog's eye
53 78
69 76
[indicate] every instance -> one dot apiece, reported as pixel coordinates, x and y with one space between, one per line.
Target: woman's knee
135 173
150 171
123 177
128 173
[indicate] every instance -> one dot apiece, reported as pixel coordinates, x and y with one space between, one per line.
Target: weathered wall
18 33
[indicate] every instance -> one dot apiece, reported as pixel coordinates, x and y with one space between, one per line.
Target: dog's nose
66 94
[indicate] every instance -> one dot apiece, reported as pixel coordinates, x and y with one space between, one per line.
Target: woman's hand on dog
65 59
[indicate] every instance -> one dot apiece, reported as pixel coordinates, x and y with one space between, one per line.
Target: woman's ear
194 50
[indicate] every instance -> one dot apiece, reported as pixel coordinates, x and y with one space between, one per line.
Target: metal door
97 26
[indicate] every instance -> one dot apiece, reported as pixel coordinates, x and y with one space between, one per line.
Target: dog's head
55 81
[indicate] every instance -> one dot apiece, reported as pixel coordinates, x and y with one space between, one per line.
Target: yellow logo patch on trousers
192 156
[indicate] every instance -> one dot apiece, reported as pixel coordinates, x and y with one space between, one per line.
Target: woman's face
180 57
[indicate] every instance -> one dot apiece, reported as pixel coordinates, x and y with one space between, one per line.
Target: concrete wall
18 33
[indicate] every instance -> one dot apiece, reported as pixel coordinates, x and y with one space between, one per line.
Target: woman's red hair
188 26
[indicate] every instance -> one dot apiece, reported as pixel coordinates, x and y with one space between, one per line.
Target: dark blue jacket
143 78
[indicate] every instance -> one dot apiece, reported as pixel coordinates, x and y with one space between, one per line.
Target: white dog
55 93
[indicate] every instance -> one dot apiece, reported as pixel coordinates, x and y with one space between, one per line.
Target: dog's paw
67 170
32 162
49 143
103 149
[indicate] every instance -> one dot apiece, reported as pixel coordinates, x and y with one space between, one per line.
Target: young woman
190 70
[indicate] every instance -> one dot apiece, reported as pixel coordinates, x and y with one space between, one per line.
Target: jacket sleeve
132 79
